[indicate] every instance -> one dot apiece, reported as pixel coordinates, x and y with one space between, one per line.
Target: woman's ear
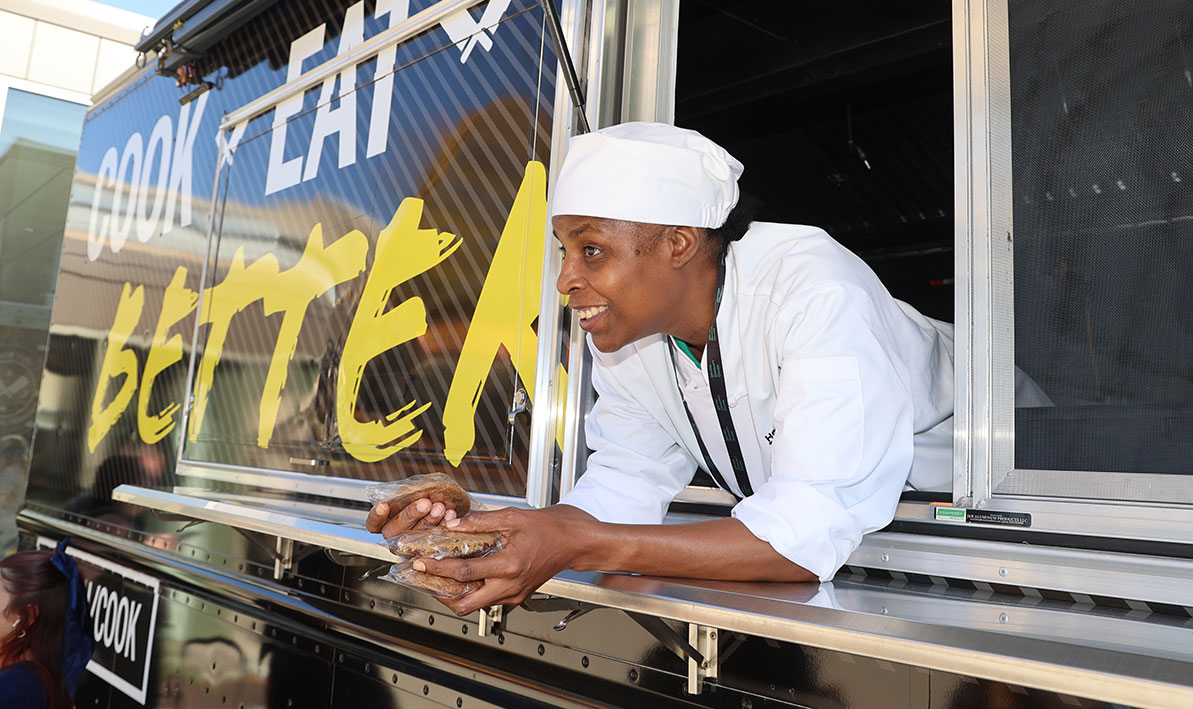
685 244
32 611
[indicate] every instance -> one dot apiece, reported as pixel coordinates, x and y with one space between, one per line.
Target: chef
765 354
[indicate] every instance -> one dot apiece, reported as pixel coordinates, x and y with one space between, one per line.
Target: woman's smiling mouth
589 315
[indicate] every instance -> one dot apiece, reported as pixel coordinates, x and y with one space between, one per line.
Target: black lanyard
720 400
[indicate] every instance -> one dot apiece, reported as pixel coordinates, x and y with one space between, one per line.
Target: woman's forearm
722 549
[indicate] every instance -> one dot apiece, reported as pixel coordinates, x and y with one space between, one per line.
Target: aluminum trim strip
578 395
550 410
353 540
413 25
305 483
325 513
998 243
1134 576
963 267
1154 522
648 84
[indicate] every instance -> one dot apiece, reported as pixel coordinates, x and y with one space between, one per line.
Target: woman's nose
568 282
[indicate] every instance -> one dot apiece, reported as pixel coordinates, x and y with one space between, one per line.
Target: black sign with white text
122 608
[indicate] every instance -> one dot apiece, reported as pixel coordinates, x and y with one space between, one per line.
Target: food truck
307 249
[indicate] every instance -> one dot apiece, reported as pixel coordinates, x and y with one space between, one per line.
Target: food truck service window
1076 380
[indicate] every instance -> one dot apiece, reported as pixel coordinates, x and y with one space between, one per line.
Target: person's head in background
34 596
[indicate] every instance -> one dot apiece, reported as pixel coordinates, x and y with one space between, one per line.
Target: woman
43 609
766 354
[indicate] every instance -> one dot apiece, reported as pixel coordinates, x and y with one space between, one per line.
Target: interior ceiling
842 115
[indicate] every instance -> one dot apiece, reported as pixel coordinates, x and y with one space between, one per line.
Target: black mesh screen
1101 94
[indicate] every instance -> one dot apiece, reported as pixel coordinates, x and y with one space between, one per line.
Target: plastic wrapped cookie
438 586
441 543
437 487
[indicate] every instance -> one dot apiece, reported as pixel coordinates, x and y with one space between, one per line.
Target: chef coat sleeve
844 422
636 468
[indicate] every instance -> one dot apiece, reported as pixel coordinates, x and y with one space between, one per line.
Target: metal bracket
563 624
188 525
491 621
345 559
667 636
169 517
704 639
548 604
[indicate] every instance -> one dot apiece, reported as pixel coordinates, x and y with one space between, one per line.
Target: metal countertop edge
1133 680
1102 674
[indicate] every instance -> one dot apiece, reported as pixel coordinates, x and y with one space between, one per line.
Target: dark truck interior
842 114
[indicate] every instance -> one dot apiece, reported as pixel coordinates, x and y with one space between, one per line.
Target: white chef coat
841 396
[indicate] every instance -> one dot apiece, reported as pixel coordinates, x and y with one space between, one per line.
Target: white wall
67 49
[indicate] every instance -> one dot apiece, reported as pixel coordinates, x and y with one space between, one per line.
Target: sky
151 8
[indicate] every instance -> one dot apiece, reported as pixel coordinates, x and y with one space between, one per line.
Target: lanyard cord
720 398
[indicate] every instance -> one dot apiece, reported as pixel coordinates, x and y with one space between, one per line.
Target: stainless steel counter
1130 657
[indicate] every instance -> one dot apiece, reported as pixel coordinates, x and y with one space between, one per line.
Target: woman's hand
535 545
421 514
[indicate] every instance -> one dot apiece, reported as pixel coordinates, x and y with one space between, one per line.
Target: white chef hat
648 172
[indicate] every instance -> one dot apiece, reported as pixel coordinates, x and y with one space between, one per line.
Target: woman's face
618 277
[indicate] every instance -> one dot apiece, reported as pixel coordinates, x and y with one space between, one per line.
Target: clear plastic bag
437 487
443 543
438 586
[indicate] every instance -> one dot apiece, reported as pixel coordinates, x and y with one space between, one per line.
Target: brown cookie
438 586
446 491
443 543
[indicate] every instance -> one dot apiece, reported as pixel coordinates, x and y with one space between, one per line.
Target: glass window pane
38 140
1103 234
